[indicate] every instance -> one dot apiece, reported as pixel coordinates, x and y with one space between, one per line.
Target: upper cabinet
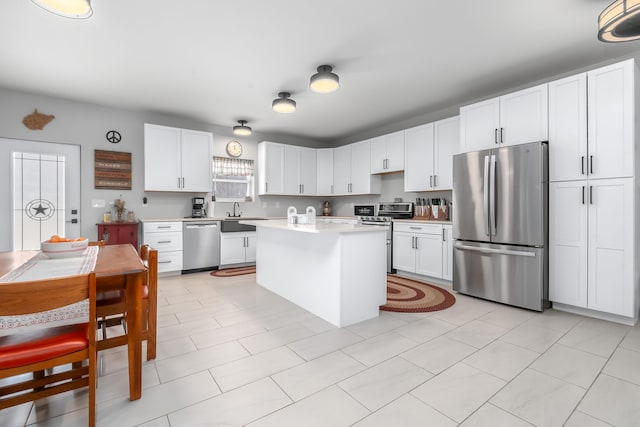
352 170
270 168
324 162
177 159
300 170
515 118
591 124
429 151
387 153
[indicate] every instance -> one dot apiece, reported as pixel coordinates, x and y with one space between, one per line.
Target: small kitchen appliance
198 210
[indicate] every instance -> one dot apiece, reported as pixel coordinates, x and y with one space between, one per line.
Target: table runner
42 267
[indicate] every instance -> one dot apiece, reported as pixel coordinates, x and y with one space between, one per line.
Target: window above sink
233 180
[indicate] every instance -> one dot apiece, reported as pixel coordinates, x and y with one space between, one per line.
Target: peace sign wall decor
112 170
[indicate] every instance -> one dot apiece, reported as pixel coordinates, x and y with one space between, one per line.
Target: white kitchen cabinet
514 118
447 252
591 245
166 237
270 168
177 159
417 248
300 170
591 124
387 153
352 170
429 151
324 157
237 248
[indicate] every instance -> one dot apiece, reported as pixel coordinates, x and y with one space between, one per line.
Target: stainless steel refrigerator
500 224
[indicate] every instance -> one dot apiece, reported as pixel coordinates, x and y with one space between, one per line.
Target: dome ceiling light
325 81
74 9
284 104
242 129
620 21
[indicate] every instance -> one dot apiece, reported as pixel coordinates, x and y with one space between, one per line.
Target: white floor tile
329 407
459 391
461 313
226 334
502 359
632 339
614 401
507 317
158 422
384 383
379 348
324 343
438 354
311 377
539 398
491 416
275 338
477 333
174 347
580 419
568 364
624 365
595 336
376 326
407 411
425 329
532 336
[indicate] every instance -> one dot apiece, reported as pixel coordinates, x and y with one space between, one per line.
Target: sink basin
232 225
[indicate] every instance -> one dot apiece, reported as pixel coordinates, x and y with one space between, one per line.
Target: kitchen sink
232 225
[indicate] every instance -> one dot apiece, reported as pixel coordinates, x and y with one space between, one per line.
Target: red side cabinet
114 233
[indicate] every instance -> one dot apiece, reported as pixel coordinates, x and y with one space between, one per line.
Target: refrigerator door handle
493 224
485 195
494 251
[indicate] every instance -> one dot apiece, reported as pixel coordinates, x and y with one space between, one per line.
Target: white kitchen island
336 271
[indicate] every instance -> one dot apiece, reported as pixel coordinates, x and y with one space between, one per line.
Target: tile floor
231 353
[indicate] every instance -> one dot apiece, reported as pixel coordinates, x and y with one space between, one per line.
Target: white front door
41 193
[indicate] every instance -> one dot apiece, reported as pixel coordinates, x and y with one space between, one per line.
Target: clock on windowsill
234 148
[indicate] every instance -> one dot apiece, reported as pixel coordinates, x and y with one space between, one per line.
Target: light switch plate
97 203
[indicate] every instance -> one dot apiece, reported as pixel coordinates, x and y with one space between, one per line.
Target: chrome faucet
235 215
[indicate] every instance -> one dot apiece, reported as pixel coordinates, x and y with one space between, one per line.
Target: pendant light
284 104
242 129
620 21
324 81
75 9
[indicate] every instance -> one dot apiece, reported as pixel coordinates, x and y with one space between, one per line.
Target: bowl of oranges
60 247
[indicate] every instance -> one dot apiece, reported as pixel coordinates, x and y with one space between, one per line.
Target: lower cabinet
447 252
237 248
418 248
166 237
116 233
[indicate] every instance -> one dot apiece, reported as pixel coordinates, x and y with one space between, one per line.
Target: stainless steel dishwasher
201 245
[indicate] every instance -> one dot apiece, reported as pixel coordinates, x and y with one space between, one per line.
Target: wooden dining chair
111 306
38 352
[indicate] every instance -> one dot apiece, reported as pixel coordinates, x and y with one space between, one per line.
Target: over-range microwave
364 210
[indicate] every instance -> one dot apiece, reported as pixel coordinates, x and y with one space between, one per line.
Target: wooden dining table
115 263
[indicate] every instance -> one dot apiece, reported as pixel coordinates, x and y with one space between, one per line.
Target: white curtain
224 166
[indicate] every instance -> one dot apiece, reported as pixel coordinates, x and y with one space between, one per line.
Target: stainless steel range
382 214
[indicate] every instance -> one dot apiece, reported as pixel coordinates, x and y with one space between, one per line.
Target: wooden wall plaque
112 170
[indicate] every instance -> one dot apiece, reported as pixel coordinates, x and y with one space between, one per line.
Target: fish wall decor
37 121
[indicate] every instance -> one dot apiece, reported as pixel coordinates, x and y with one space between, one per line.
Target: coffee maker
198 210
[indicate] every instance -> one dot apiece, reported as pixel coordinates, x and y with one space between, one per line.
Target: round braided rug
229 272
411 296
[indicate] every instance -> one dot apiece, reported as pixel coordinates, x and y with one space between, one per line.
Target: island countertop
320 228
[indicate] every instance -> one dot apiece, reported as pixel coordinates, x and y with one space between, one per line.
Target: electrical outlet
144 201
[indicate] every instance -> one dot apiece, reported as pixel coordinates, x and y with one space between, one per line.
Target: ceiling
221 61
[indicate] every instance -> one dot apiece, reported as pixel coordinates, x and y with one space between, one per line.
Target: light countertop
317 228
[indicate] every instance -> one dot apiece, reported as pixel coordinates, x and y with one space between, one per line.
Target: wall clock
234 148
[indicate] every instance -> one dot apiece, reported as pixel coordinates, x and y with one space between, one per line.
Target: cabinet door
404 254
524 116
361 179
250 246
611 121
128 233
395 151
292 184
342 170
479 125
446 144
271 168
610 253
232 248
568 128
196 161
162 158
325 171
568 210
447 252
418 158
429 254
308 174
379 154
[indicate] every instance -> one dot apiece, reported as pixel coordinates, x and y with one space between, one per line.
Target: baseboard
630 321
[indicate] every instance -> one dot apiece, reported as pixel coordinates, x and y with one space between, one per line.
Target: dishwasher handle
188 226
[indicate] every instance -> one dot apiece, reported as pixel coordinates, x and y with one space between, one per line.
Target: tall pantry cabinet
592 203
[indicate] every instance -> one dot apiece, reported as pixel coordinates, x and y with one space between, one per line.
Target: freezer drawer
513 275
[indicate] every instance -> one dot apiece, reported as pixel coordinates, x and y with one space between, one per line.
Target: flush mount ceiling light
75 9
324 81
242 129
284 104
620 21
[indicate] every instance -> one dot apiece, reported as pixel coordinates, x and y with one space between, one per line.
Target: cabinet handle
501 135
495 135
591 165
331 188
178 182
164 262
163 226
183 182
444 239
430 181
583 194
164 241
266 187
582 165
416 242
302 188
435 180
412 242
591 194
415 228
